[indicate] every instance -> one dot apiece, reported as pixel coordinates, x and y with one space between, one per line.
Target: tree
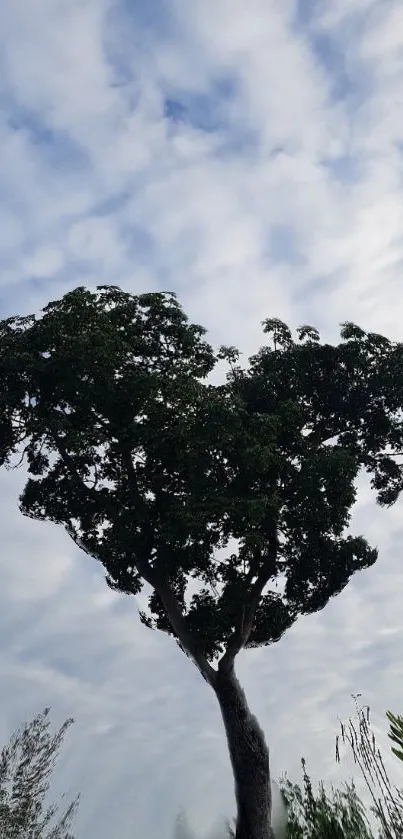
163 476
25 767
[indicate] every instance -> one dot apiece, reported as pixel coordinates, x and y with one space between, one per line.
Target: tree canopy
246 486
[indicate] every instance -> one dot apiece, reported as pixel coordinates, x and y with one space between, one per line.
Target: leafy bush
341 816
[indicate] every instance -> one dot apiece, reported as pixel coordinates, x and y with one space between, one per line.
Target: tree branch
321 435
161 586
176 618
241 635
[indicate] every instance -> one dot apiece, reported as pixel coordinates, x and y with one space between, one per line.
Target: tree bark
249 757
246 741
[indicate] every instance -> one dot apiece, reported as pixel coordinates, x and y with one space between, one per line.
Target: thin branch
21 460
176 618
242 633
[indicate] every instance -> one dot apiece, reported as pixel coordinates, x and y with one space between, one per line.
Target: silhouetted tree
164 477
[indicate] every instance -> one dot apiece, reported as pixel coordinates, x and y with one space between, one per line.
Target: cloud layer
249 158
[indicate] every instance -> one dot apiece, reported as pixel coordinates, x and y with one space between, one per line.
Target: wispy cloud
248 157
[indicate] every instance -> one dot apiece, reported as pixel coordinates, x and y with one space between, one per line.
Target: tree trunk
249 757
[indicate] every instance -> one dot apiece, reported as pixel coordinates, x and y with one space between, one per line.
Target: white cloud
45 262
277 191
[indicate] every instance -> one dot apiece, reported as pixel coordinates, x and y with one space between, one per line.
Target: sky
247 156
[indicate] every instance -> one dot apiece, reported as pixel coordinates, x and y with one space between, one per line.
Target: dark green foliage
396 733
310 816
26 764
152 470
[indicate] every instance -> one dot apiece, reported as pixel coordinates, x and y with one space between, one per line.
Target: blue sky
249 157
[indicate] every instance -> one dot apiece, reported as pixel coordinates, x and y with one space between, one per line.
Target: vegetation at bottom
26 765
339 813
28 760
